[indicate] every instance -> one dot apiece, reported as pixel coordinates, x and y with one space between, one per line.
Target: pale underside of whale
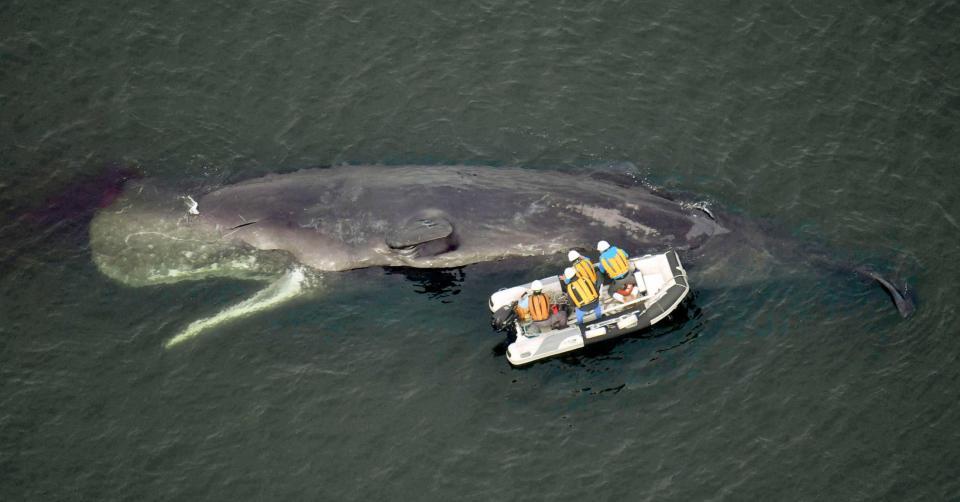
290 228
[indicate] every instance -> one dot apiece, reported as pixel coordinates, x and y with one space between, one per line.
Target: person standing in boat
584 267
583 293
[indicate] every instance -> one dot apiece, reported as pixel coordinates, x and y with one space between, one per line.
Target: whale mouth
420 237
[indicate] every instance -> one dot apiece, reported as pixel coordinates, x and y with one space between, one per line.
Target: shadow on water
440 283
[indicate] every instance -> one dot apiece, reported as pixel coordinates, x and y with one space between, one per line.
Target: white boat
661 286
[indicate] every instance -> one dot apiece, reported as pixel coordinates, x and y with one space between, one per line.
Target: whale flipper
422 236
419 231
289 286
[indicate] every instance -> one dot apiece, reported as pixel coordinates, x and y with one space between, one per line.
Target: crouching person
614 262
582 293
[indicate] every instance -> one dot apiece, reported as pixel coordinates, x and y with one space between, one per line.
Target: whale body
292 228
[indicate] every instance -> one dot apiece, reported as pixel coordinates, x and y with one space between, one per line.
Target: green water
836 123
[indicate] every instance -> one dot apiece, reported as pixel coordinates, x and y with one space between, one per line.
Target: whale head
147 236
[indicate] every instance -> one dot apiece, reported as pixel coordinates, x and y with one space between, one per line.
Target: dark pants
557 320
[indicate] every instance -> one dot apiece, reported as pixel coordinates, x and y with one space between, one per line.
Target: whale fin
419 231
427 234
289 286
624 174
902 299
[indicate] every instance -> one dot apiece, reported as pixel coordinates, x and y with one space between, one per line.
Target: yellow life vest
582 292
616 266
539 307
586 269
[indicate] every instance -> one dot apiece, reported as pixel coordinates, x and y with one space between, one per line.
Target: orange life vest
522 313
617 265
539 307
586 269
582 292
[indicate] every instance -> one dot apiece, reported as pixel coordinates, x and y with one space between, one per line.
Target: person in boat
538 305
583 266
615 265
522 308
533 305
583 293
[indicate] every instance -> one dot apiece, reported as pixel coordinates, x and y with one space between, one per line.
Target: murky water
836 124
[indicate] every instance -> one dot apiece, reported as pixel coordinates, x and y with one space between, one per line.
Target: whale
292 230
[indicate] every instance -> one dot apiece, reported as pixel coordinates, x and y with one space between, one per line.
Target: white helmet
573 255
603 246
569 273
536 286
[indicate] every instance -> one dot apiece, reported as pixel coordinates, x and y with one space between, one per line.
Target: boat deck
655 276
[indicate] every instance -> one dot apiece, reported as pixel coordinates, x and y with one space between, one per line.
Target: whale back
358 216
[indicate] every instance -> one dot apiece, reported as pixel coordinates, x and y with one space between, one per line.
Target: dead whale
291 229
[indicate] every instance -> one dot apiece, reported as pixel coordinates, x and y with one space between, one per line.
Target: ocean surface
834 122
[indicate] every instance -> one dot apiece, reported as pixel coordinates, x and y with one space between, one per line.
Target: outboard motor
504 317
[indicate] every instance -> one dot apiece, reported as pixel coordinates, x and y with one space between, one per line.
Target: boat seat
654 283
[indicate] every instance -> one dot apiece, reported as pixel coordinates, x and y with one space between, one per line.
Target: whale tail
903 299
289 286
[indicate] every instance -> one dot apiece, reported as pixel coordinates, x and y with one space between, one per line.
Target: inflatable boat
661 284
